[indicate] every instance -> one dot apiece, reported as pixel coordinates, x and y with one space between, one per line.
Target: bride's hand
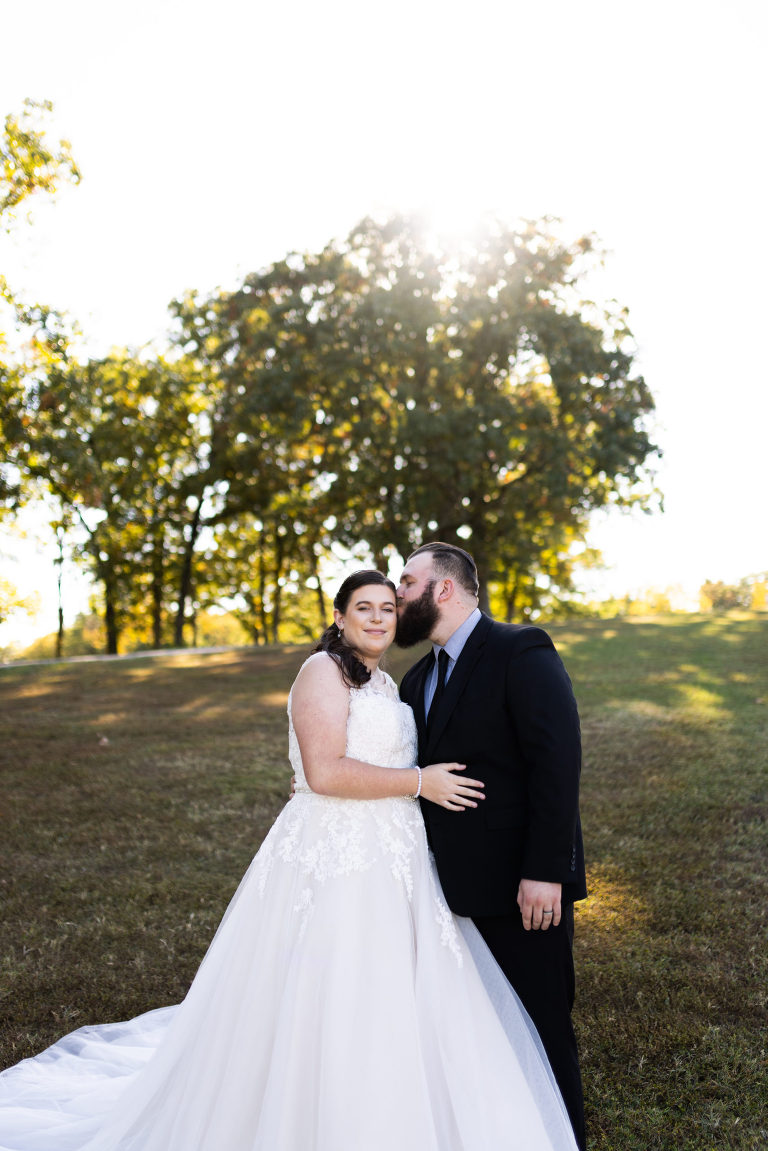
441 784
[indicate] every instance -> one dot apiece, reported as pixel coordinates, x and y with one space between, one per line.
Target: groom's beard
417 619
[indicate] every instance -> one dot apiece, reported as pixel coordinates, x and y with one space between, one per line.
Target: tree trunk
320 597
157 592
512 601
276 614
250 618
60 568
262 599
185 580
110 614
279 554
321 610
60 632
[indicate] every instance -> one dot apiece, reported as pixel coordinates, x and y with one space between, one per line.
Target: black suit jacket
508 712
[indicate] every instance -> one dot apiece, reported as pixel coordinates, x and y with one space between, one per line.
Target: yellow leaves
760 595
27 164
13 601
509 475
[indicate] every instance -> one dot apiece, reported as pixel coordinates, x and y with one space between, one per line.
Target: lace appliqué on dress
325 838
449 934
304 907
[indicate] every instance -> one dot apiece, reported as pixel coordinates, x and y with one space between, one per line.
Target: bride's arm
320 709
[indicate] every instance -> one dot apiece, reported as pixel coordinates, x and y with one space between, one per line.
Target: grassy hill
135 792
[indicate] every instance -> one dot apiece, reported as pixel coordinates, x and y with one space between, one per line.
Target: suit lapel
419 674
460 675
421 715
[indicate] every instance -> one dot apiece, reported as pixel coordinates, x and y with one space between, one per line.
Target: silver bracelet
418 789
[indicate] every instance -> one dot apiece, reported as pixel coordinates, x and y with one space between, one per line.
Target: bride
340 1006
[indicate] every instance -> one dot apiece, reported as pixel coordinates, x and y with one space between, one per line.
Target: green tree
278 433
30 165
504 412
114 442
404 391
719 596
260 569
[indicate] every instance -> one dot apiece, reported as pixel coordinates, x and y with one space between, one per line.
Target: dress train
340 1007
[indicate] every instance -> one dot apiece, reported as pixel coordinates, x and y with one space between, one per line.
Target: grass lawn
134 794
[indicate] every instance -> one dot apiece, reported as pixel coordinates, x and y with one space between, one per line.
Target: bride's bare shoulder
319 673
319 700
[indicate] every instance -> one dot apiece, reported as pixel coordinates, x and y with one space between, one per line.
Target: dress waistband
304 789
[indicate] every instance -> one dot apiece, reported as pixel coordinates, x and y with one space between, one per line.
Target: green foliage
217 629
399 391
84 637
28 164
252 566
118 443
718 596
380 392
387 389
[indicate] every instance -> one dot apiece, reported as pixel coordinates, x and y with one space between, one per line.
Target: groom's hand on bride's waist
442 784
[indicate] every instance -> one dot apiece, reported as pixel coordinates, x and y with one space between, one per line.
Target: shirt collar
455 643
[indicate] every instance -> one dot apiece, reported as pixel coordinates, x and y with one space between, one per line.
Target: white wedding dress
340 1006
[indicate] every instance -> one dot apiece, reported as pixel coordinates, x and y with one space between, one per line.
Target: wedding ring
547 913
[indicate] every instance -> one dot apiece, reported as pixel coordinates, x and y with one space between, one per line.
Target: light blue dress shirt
453 647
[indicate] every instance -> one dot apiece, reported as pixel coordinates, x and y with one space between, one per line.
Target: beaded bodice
323 839
380 728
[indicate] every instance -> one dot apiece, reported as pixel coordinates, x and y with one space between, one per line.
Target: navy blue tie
442 668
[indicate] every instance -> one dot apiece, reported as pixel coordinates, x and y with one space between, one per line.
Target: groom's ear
445 590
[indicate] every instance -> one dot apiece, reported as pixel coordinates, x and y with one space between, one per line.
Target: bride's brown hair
353 670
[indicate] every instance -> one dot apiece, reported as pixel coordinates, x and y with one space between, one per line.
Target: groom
496 697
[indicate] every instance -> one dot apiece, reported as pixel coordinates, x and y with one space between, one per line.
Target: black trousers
539 965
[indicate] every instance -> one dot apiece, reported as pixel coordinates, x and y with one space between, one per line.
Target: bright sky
213 138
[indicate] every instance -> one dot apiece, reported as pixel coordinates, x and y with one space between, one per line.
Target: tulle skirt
340 1007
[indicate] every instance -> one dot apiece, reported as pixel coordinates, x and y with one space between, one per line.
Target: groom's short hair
450 562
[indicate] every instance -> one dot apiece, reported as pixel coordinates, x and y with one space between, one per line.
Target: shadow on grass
124 853
671 945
